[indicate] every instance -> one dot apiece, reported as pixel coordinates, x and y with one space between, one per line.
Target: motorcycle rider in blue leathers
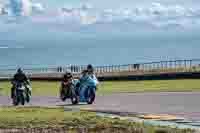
87 81
89 73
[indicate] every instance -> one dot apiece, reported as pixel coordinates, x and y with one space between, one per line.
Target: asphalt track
182 104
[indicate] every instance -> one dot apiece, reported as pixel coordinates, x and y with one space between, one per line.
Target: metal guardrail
151 67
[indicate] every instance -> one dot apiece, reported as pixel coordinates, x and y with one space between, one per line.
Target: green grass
18 117
39 88
55 118
51 88
151 86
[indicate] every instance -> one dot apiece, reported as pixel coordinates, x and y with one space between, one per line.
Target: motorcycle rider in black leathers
67 76
19 77
66 80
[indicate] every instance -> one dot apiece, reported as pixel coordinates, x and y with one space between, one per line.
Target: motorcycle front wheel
21 97
91 96
74 97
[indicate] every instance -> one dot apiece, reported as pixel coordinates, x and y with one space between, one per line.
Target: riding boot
30 93
12 92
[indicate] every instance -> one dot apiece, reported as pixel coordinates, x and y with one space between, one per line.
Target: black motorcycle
21 94
68 91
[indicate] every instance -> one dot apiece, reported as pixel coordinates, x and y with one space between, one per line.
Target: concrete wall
120 76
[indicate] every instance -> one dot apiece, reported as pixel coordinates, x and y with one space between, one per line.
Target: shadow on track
69 105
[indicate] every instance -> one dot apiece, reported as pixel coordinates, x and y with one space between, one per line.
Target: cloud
20 8
155 14
82 14
37 8
1 9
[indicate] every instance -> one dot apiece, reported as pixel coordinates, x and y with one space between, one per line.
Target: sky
41 23
83 18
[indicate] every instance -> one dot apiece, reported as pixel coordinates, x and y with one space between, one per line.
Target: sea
46 33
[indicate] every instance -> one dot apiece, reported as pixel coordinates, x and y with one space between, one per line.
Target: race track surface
183 104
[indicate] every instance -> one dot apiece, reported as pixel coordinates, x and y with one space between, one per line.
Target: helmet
19 70
67 75
90 67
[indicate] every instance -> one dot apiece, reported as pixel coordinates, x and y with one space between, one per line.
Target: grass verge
51 88
56 120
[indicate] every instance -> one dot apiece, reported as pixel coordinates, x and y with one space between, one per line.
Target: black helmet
67 75
19 70
90 67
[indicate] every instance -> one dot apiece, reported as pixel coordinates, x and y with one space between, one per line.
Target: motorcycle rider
67 78
19 77
88 73
90 70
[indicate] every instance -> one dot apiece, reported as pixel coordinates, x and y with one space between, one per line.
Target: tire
74 97
22 97
74 100
91 96
23 100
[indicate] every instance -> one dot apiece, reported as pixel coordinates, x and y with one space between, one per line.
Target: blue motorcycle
86 89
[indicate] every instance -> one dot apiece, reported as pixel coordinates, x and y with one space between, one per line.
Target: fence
151 67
